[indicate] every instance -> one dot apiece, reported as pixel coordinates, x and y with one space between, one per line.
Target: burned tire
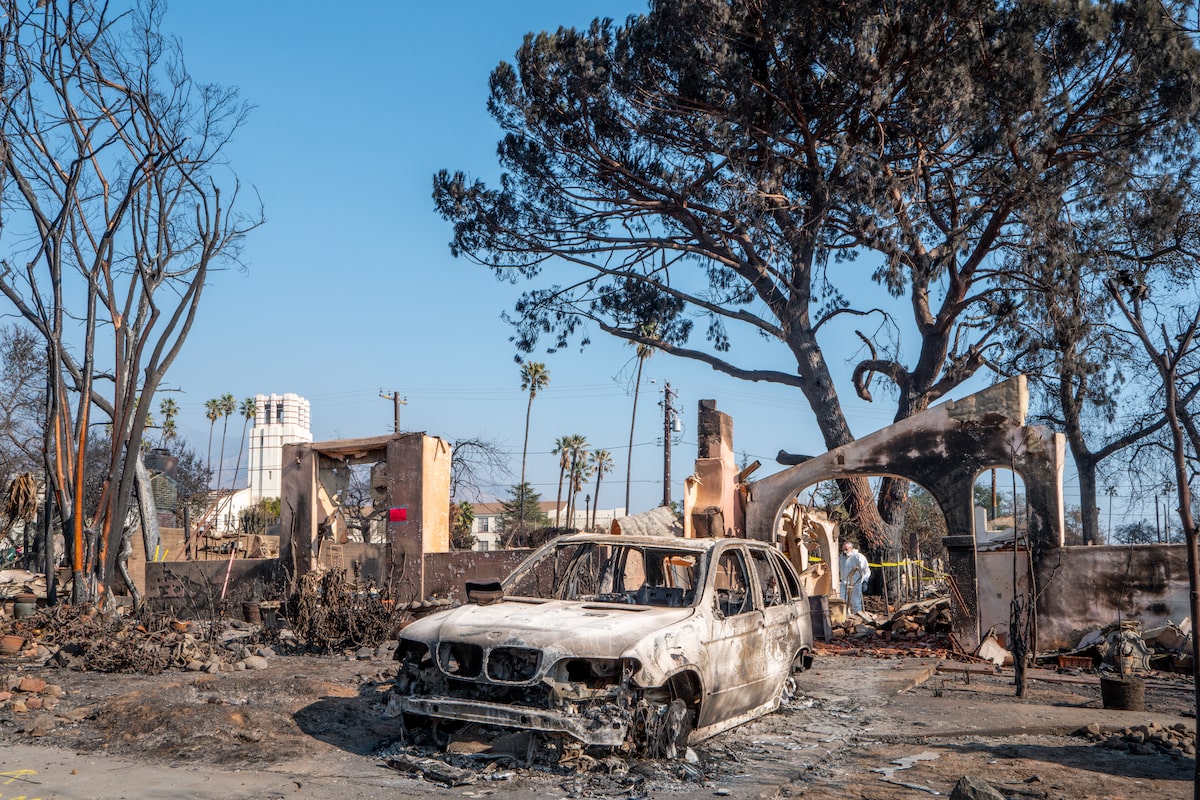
664 730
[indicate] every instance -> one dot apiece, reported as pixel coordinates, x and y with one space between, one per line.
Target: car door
781 616
736 668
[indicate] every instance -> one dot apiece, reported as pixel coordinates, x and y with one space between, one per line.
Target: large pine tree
711 173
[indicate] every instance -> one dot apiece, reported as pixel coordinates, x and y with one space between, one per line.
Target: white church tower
279 419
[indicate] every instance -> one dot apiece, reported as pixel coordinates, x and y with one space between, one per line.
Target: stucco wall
1086 586
435 485
445 573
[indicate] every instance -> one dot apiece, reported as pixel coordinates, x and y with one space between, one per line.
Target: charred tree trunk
823 400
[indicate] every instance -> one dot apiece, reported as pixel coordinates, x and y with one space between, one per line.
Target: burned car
644 644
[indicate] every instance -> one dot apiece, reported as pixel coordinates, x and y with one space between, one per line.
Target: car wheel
802 662
666 729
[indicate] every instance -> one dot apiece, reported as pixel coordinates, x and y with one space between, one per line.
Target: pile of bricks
916 630
1176 740
21 694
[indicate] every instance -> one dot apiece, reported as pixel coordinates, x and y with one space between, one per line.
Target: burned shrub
332 614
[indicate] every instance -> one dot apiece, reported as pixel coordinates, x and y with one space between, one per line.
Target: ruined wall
297 509
445 573
943 449
435 487
419 483
416 487
1082 587
192 589
362 561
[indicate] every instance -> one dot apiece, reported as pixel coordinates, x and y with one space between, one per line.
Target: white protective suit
854 571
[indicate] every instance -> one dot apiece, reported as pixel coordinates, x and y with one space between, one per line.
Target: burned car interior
601 573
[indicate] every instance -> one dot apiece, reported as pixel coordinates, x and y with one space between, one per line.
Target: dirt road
313 727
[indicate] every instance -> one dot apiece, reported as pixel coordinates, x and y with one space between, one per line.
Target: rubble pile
25 693
84 638
914 630
1126 648
1151 739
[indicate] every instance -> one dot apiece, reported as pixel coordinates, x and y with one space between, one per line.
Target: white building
279 419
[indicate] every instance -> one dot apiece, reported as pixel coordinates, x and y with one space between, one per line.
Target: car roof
679 542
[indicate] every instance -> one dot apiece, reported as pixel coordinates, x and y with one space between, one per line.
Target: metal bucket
24 606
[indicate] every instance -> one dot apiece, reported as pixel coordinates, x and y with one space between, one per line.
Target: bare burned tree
1170 340
22 399
1153 264
116 215
475 463
1083 373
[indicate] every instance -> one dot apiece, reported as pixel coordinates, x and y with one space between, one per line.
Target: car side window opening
787 575
733 594
769 585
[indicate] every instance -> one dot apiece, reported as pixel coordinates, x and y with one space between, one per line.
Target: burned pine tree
711 172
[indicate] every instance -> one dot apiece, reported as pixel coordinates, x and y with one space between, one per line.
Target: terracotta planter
11 644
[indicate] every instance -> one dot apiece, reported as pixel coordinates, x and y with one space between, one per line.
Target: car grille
513 664
460 659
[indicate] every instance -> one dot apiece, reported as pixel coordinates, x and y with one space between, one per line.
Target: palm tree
562 450
534 378
226 406
168 408
212 410
644 351
577 473
601 464
248 409
169 432
565 448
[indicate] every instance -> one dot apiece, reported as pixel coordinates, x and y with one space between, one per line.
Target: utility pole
668 429
397 402
1112 490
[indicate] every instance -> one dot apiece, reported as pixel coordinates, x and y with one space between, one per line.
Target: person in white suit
854 571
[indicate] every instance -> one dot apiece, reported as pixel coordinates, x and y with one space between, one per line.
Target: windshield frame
607 571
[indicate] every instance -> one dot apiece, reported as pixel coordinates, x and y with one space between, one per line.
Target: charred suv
644 644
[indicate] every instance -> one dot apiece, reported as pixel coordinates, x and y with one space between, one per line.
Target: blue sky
350 287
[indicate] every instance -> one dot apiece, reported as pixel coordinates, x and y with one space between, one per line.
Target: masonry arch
943 449
807 533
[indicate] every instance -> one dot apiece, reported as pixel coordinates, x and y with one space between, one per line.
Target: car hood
589 630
